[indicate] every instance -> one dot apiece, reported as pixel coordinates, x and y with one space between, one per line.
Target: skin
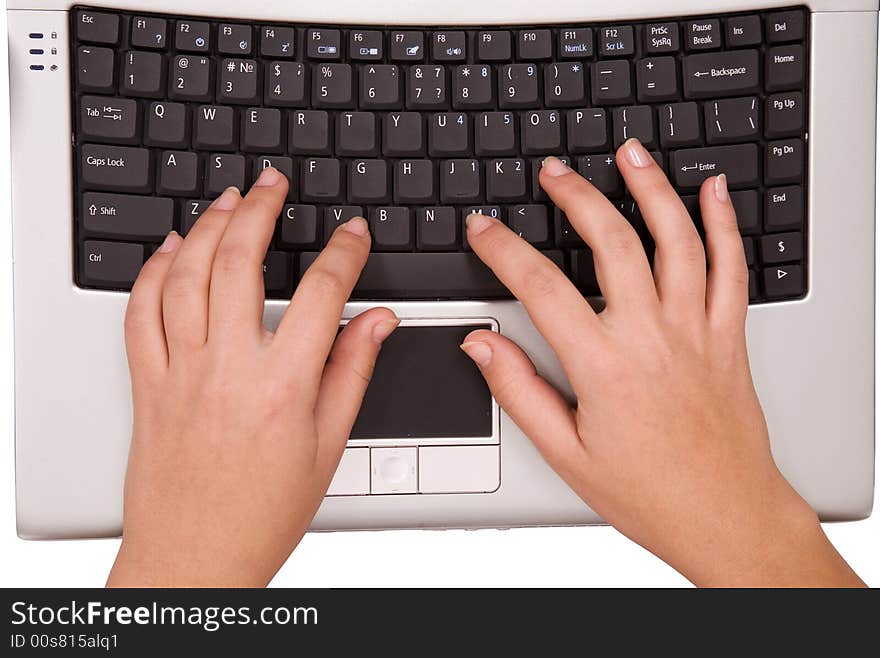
667 440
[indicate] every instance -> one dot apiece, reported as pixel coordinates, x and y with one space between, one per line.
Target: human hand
237 430
668 441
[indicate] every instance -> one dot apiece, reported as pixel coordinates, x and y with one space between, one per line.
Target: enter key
740 163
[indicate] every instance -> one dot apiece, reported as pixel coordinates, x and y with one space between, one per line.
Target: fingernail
477 223
555 167
384 329
228 200
636 153
721 188
171 243
356 225
480 353
269 177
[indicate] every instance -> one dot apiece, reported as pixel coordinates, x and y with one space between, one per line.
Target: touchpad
425 387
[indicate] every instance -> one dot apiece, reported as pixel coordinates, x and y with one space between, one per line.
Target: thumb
534 405
347 374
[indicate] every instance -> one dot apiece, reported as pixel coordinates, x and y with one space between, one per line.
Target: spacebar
456 275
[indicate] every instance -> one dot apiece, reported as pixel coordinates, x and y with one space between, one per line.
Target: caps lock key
115 168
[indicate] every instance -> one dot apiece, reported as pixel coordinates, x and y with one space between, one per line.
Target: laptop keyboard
414 128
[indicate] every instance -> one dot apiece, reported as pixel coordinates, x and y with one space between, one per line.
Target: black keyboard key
149 32
321 180
602 172
784 281
415 182
403 134
533 45
531 223
391 229
751 254
538 193
690 167
261 130
324 44
680 125
285 84
784 208
785 68
278 42
127 217
110 264
426 87
661 38
214 128
238 82
449 135
635 122
754 293
449 46
190 79
193 36
94 70
235 40
748 211
167 125
495 133
225 170
506 180
111 120
565 84
702 34
782 248
617 41
460 181
299 226
356 134
366 45
336 216
785 26
436 229
178 173
785 162
276 272
784 115
743 31
283 164
472 87
611 82
732 120
380 87
115 168
576 43
729 73
143 74
369 182
332 86
494 46
518 86
657 79
583 272
565 234
587 131
97 27
309 133
406 46
192 210
541 132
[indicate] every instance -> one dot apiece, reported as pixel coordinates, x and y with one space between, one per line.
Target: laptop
128 117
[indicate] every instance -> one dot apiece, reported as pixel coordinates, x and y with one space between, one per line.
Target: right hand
668 441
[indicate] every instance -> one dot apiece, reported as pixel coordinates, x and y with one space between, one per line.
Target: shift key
115 168
740 163
127 216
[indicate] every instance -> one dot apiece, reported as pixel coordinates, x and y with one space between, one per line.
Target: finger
185 297
679 259
555 306
727 297
235 309
145 342
622 268
534 405
308 327
346 377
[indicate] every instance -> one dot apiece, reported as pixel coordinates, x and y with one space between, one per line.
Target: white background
555 557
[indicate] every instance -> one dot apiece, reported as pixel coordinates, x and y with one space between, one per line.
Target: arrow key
782 248
785 281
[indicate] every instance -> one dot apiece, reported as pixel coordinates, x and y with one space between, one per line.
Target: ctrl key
784 281
110 264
